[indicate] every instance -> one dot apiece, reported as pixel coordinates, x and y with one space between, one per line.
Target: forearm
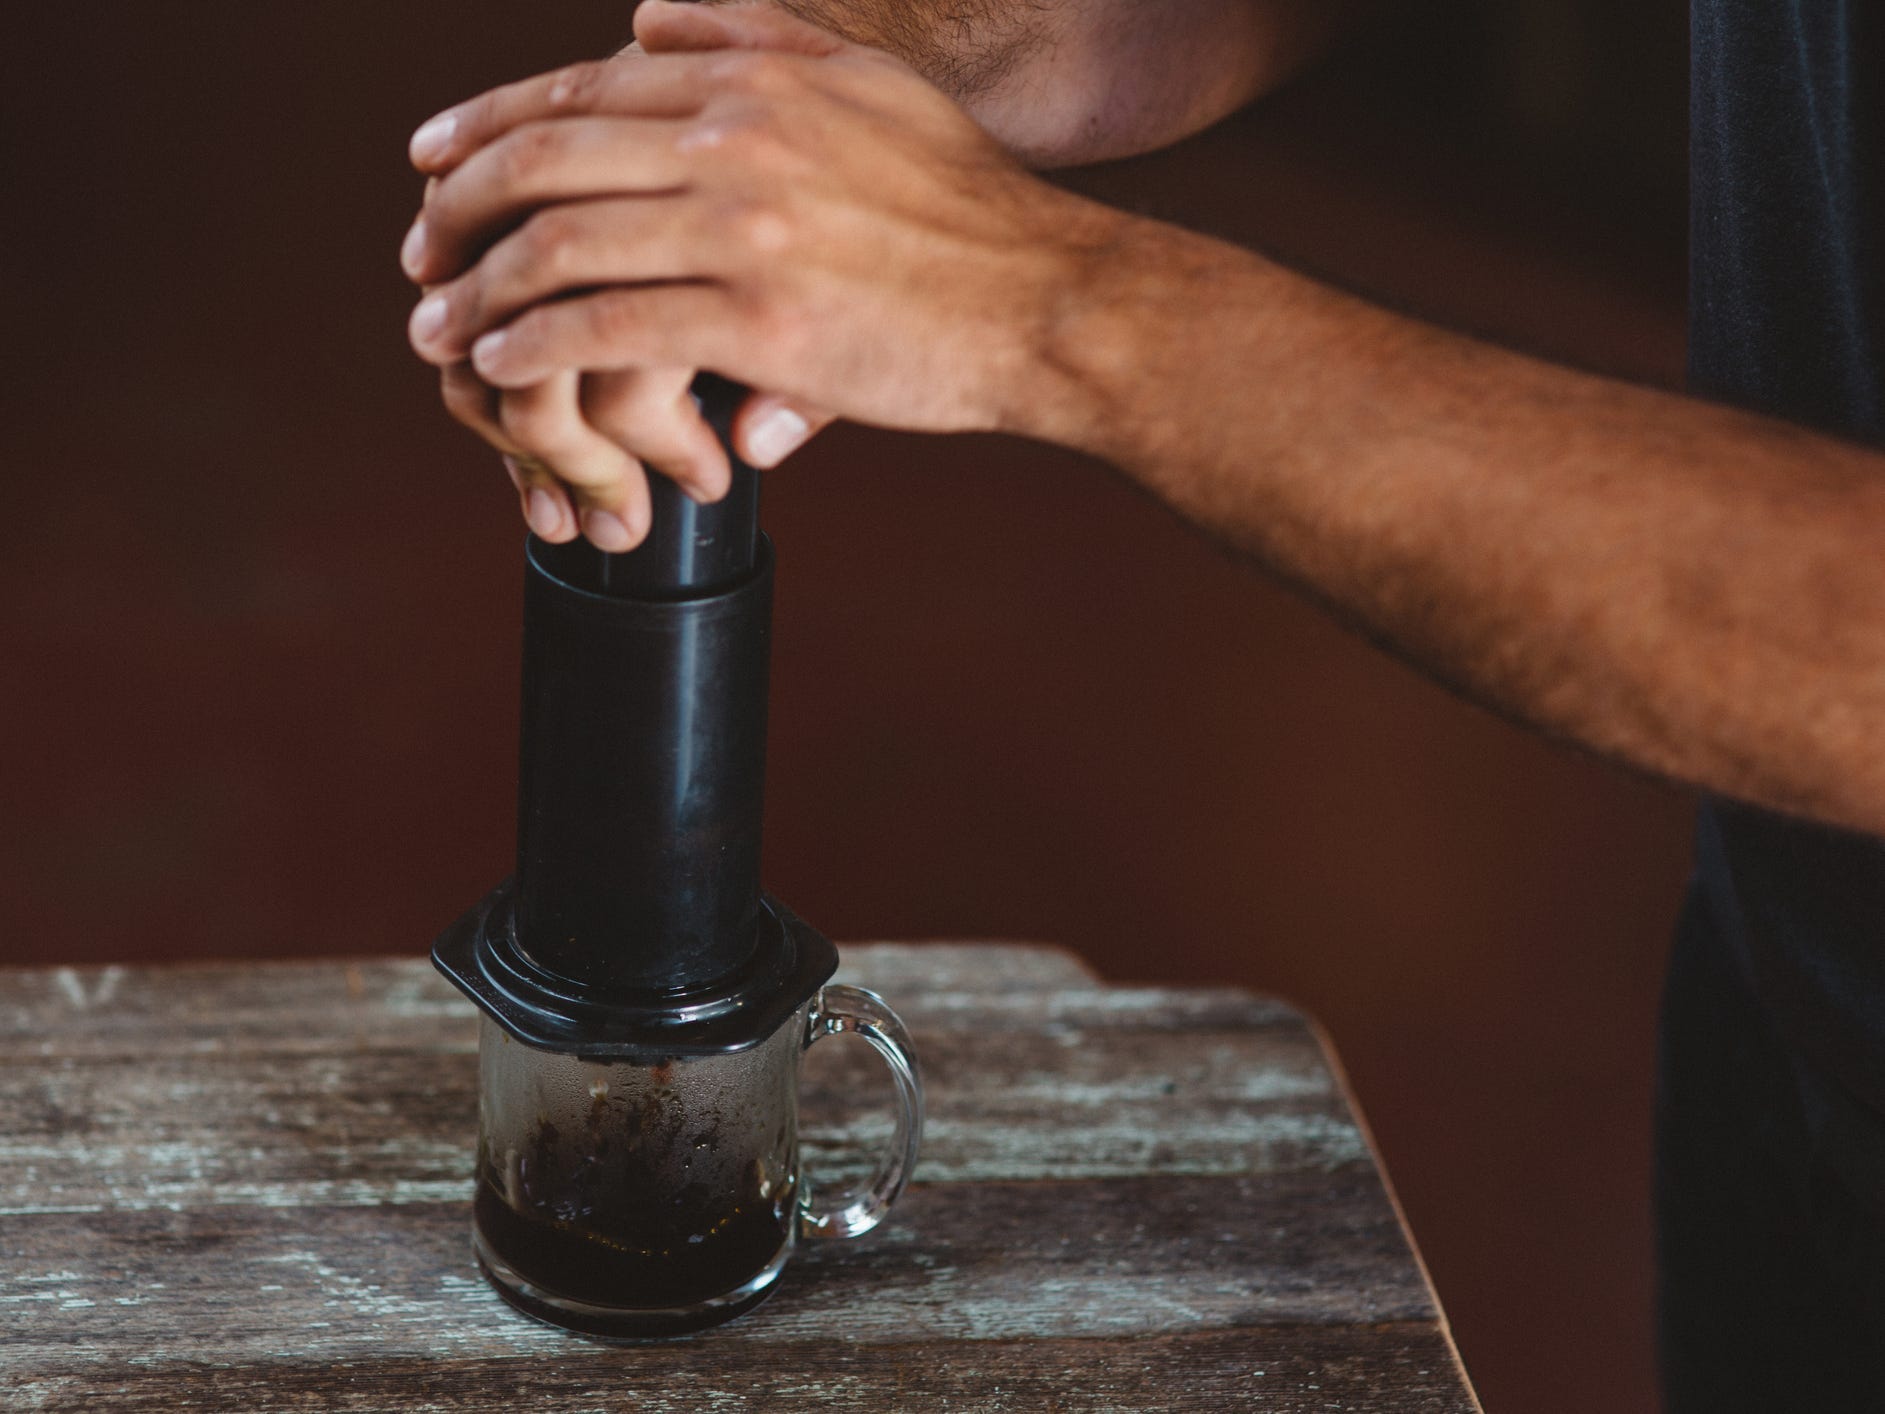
1061 82
1696 591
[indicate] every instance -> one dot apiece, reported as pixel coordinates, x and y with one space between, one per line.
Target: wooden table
246 1187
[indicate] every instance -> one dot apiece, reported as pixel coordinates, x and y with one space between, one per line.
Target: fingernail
412 249
541 510
429 318
606 531
433 137
776 436
490 347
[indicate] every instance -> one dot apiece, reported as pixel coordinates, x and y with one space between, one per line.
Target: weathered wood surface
246 1188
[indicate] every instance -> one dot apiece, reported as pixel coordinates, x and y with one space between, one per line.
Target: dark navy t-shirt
1787 316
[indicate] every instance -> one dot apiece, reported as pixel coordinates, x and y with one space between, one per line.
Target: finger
530 166
605 483
669 28
474 402
543 500
412 248
768 429
700 325
573 247
625 86
650 414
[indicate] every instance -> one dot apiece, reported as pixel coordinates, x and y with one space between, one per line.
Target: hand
584 438
819 222
589 435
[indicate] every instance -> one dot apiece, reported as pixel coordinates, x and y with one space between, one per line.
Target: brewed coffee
642 1195
695 1248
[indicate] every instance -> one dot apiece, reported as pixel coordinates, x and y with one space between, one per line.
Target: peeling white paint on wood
90 989
1146 1258
244 1187
398 1126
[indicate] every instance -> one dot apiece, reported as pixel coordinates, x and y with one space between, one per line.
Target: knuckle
527 151
754 71
547 241
750 136
611 318
758 226
579 85
755 135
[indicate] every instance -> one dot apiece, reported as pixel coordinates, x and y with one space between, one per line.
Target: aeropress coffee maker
644 1005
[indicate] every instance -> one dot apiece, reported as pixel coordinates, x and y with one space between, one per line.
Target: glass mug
650 1198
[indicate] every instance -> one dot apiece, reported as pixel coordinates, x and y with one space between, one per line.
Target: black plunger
635 925
643 759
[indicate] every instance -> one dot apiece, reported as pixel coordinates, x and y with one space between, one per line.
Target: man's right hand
1055 82
824 224
578 445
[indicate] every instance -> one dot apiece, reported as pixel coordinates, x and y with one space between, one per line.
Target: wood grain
246 1188
1375 1370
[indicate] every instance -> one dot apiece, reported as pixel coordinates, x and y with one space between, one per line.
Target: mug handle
836 1010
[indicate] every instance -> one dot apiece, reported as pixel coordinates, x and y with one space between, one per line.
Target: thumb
768 429
662 26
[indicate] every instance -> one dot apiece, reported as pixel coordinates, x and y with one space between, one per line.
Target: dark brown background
258 603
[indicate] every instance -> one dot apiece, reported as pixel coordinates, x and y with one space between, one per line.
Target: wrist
1115 327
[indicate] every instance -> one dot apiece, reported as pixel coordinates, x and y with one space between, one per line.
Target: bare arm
1690 589
1057 81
